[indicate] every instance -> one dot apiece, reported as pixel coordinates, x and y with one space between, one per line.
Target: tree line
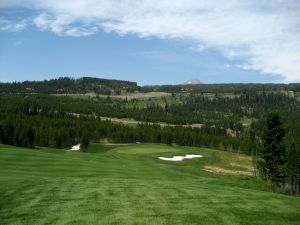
61 130
67 85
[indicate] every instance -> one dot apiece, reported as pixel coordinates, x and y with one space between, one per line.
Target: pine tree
273 154
84 143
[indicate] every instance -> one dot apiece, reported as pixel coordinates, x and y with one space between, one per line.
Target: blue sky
41 41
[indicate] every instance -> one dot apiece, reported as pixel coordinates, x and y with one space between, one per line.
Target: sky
151 42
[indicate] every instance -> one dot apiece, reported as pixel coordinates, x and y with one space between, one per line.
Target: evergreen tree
29 137
84 143
273 154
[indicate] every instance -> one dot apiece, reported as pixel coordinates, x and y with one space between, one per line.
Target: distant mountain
192 81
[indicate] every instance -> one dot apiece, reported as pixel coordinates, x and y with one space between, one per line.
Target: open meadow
128 184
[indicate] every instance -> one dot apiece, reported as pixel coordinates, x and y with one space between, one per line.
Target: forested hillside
224 88
66 85
227 117
229 110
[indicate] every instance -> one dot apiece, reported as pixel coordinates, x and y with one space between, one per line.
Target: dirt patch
248 168
125 121
194 125
129 96
234 164
244 157
219 170
129 121
142 95
231 132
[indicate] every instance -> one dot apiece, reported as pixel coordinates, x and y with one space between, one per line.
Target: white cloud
263 34
12 26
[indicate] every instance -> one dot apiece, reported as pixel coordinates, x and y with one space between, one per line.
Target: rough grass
130 185
246 121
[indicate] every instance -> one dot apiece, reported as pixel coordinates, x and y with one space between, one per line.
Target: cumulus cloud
265 35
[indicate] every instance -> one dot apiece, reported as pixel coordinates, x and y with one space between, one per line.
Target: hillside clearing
129 96
129 121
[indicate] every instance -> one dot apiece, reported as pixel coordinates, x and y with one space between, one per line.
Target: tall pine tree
273 154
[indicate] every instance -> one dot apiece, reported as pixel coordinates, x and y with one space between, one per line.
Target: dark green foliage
273 154
84 143
293 168
68 85
60 130
223 88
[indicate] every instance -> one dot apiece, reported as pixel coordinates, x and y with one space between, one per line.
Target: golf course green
128 184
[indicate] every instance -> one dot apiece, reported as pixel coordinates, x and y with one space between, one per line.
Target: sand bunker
180 158
75 148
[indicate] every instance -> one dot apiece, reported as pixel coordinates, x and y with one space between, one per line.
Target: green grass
146 149
129 185
246 121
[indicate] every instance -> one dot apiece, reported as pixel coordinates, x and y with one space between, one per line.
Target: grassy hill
128 184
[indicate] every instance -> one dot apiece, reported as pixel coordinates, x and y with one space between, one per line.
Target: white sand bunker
75 148
180 158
